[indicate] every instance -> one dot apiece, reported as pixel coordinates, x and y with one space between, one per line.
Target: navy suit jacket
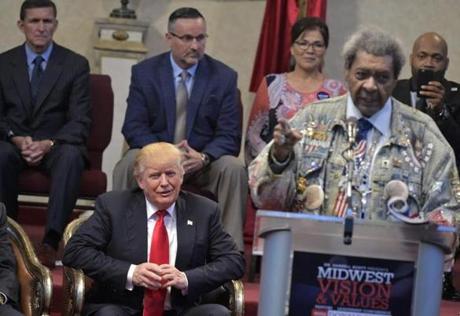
62 111
213 123
8 279
115 237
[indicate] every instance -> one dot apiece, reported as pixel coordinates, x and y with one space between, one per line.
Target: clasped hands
32 151
192 159
153 276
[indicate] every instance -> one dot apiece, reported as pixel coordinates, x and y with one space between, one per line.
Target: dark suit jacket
116 236
213 114
449 124
62 111
8 282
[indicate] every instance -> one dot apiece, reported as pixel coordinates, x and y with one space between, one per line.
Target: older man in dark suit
44 118
206 125
154 250
9 286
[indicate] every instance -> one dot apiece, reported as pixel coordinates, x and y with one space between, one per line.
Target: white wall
405 19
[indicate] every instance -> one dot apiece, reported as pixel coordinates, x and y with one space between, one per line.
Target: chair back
34 182
102 118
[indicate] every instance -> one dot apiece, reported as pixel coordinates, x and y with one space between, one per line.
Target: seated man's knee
208 310
110 310
69 154
232 164
8 153
123 172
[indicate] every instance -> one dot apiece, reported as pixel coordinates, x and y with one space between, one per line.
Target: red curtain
273 51
317 8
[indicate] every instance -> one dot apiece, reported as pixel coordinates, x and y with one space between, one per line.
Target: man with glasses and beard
437 97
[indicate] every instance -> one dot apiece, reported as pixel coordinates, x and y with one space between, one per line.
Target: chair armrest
34 278
236 297
74 291
230 294
74 281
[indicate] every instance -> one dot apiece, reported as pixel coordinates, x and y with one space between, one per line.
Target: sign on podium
390 268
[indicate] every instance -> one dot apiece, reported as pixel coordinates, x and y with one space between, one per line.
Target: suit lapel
136 227
403 92
199 87
168 94
21 78
186 231
50 76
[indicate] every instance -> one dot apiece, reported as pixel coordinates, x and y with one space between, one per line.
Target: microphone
396 193
350 123
314 197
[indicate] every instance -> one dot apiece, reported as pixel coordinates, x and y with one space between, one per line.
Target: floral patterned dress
276 99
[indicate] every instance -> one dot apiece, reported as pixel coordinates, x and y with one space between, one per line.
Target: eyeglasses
305 45
187 38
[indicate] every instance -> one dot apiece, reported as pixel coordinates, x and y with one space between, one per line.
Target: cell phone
423 77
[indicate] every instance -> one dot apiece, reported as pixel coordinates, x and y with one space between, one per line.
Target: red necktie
159 254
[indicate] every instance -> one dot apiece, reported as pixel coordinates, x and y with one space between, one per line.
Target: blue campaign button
322 95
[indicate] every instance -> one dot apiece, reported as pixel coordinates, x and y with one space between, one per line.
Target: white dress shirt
171 227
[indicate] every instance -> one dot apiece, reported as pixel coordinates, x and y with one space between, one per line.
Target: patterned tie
36 76
159 254
420 104
364 126
181 107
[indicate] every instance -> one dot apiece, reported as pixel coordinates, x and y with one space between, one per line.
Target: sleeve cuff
129 278
278 166
3 298
185 291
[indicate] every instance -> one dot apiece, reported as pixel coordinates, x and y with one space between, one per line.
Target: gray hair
374 42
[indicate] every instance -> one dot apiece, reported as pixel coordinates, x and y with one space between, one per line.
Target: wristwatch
205 159
52 143
3 298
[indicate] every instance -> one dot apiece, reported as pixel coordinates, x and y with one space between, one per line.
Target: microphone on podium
314 197
396 194
350 124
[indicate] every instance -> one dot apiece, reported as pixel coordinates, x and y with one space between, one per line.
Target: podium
279 235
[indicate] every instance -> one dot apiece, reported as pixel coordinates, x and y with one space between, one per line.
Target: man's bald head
429 52
430 38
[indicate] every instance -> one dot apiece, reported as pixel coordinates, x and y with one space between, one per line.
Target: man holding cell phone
431 93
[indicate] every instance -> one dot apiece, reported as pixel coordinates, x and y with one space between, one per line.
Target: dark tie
181 107
36 76
420 104
364 126
159 254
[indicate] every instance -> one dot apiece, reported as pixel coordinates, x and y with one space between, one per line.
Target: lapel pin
189 222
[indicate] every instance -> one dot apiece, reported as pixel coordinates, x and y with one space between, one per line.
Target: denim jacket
416 153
